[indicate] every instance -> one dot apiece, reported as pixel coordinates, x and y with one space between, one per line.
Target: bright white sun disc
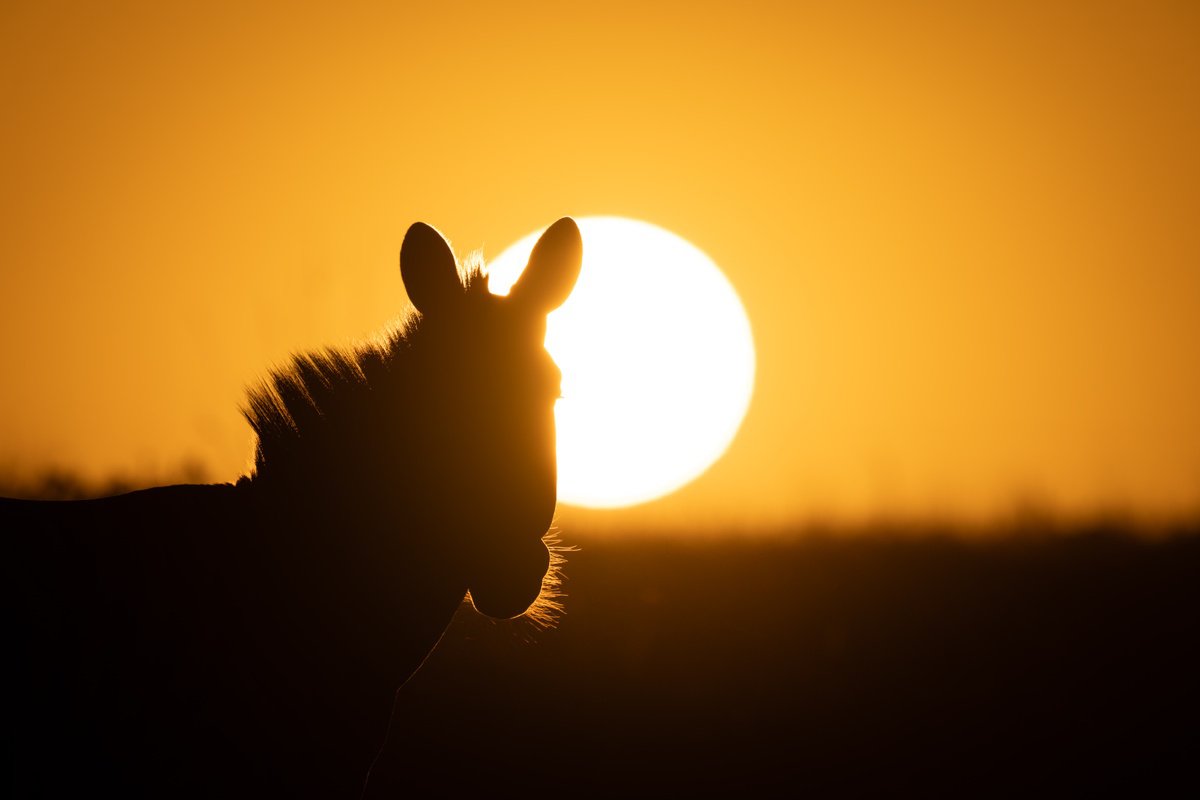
657 361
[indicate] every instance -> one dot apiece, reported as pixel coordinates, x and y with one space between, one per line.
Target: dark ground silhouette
862 666
1043 658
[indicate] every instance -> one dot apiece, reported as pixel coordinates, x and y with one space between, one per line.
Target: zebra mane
318 414
325 391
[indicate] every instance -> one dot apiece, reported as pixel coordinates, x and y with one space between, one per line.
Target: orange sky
966 237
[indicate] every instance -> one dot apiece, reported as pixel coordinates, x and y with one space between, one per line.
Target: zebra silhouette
247 639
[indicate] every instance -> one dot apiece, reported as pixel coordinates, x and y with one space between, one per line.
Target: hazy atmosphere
963 234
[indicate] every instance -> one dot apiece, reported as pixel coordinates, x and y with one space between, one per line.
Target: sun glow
657 361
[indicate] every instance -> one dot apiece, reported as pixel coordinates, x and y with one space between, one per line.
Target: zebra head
489 448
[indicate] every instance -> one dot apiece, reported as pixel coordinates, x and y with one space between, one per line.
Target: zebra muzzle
506 580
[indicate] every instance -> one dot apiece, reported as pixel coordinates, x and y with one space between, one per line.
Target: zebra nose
508 579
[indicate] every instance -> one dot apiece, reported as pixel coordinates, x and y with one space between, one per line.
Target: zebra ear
429 271
553 268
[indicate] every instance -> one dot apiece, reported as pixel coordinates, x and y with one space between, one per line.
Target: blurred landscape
836 665
859 661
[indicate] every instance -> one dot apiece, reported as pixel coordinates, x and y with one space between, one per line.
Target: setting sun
657 361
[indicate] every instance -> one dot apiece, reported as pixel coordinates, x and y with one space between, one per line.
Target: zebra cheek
508 580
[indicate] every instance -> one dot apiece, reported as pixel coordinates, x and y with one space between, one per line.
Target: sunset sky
965 234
